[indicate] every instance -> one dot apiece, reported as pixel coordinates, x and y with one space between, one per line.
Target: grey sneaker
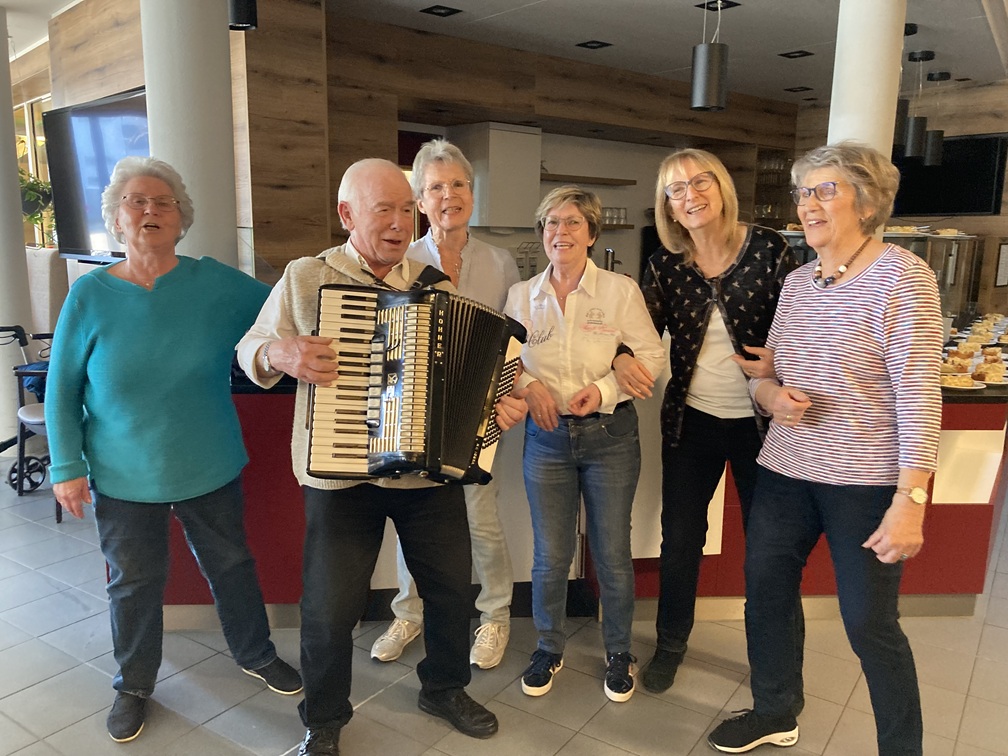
126 718
279 676
750 730
391 643
491 640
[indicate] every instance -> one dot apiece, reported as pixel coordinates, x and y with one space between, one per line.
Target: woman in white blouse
581 433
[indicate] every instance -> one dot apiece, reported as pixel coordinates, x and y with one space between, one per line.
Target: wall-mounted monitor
969 181
83 144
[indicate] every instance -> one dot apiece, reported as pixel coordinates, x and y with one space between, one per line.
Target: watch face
919 495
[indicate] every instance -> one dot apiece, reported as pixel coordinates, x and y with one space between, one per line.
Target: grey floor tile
999 585
179 652
830 677
200 741
38 748
54 611
266 724
997 612
49 551
29 663
993 644
25 588
942 711
86 566
207 689
370 676
520 733
854 735
11 636
24 535
990 681
210 638
162 727
368 737
84 640
395 707
719 645
42 506
961 634
9 568
13 737
96 588
985 724
942 667
828 636
573 700
961 749
648 726
8 519
582 745
59 701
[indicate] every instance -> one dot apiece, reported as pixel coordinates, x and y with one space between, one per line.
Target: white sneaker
491 640
391 643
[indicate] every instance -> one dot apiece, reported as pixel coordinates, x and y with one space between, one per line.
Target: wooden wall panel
30 75
361 124
288 139
811 128
96 50
514 86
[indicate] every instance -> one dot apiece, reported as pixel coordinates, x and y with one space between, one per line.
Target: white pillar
866 72
187 67
15 304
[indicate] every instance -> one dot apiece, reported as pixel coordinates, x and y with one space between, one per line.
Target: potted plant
36 196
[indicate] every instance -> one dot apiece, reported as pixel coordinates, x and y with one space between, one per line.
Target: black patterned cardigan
680 299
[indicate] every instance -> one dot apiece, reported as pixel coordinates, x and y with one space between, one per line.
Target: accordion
419 374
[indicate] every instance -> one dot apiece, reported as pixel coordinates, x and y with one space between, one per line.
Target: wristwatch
267 367
916 494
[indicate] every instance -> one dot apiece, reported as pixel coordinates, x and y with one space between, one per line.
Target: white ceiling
657 36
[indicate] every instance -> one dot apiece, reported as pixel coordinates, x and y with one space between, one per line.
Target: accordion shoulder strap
429 276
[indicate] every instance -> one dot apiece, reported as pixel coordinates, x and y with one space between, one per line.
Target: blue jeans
597 458
343 535
134 542
788 515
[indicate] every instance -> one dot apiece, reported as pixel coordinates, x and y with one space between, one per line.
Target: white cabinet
505 159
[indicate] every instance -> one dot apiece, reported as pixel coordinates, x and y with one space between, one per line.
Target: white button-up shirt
567 351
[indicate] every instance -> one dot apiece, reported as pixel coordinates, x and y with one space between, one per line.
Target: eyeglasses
164 203
700 183
455 187
552 223
824 192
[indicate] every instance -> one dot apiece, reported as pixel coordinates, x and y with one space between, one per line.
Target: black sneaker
660 672
749 730
126 718
619 681
320 741
279 676
537 679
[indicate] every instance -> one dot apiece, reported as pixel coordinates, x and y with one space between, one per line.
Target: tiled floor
56 668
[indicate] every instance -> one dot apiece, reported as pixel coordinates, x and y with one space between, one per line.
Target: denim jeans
343 535
134 542
490 557
787 518
598 459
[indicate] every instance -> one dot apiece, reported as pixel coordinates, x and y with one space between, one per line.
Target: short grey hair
437 151
133 167
874 178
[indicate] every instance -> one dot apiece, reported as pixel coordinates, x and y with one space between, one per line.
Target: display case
772 205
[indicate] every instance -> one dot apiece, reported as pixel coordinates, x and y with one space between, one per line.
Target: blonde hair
587 203
673 236
874 178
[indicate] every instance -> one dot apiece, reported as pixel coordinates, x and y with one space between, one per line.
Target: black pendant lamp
916 129
242 15
934 140
902 112
710 70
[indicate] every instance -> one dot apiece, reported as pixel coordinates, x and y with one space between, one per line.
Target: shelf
617 227
564 178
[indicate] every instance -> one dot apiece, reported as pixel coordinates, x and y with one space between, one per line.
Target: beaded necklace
821 282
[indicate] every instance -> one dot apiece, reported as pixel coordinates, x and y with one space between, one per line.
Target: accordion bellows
419 374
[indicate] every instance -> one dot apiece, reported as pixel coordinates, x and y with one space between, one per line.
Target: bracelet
267 367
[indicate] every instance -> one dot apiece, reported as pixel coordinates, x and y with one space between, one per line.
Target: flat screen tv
83 144
969 181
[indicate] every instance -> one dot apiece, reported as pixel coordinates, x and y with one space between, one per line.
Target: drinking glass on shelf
622 216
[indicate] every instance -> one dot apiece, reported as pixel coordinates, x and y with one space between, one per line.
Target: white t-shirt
718 386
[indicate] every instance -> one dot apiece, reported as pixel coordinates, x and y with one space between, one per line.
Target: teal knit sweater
138 393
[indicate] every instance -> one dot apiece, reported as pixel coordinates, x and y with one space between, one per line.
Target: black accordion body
419 374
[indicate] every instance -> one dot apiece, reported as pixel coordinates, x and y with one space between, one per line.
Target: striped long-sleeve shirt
867 353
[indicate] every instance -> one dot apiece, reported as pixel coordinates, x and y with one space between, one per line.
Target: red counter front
959 528
274 513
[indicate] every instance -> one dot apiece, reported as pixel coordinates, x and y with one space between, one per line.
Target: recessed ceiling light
809 99
796 54
442 11
797 89
939 76
713 5
594 44
909 29
918 56
964 78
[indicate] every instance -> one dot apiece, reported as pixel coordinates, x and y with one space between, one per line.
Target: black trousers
343 535
690 474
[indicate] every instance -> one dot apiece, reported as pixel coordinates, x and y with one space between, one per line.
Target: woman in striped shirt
851 447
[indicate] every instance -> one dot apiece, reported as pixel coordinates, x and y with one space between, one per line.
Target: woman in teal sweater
138 398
